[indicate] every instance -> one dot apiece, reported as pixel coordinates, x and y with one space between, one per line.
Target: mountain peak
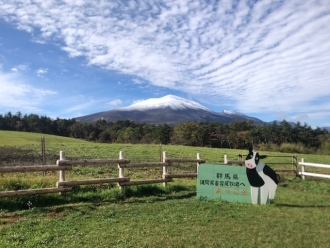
231 112
168 101
168 109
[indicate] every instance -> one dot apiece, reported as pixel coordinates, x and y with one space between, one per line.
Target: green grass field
152 215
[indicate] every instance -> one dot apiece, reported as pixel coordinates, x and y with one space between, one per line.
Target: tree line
236 134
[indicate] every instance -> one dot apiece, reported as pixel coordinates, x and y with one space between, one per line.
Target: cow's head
252 159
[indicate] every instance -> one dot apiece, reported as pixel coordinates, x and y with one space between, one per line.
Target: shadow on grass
145 193
301 206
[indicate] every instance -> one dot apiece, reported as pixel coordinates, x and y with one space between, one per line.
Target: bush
291 148
324 149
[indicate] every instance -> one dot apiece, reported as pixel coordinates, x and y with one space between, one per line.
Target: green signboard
229 183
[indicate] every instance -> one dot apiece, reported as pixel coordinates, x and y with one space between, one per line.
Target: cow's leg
272 189
271 186
254 195
264 194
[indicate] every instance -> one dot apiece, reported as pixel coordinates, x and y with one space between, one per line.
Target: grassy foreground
154 216
300 217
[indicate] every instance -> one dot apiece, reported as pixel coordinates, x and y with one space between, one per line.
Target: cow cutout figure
262 178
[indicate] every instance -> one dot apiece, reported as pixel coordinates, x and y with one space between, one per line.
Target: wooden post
121 169
294 164
43 153
164 168
160 153
62 172
302 169
225 159
240 158
198 157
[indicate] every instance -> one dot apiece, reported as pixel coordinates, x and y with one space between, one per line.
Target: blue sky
68 58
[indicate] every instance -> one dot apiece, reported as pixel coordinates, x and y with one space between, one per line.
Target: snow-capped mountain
169 109
170 101
230 112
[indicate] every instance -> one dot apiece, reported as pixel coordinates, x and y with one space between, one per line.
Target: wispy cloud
16 94
40 72
79 105
115 102
262 55
22 67
137 81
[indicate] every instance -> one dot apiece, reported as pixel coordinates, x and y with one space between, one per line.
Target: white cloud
41 71
137 81
138 100
265 56
78 106
16 94
22 67
115 102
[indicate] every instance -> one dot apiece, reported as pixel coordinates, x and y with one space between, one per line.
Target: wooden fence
293 162
303 173
62 165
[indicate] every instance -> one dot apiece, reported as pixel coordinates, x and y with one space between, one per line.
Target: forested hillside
211 134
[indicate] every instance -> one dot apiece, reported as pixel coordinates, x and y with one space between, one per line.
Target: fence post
121 169
240 158
302 168
225 159
164 168
43 153
62 172
295 164
198 157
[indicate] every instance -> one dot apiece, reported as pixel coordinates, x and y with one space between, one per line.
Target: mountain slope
168 109
326 128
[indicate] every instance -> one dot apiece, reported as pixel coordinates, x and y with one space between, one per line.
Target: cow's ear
250 148
263 156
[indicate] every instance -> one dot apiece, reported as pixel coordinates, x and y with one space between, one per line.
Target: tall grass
296 148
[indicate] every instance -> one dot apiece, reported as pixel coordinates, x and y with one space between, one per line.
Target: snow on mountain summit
171 101
169 109
231 112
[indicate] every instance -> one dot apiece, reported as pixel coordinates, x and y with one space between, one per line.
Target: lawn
153 215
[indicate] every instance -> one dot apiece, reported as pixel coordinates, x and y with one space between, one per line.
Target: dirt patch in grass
14 155
56 215
10 156
8 218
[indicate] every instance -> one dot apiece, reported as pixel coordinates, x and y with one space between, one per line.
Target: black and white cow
261 177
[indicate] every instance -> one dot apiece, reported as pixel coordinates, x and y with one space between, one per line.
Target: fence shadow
141 193
301 206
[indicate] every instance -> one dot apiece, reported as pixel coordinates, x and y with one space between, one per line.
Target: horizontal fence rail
143 164
34 168
303 173
92 181
293 163
92 161
63 164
